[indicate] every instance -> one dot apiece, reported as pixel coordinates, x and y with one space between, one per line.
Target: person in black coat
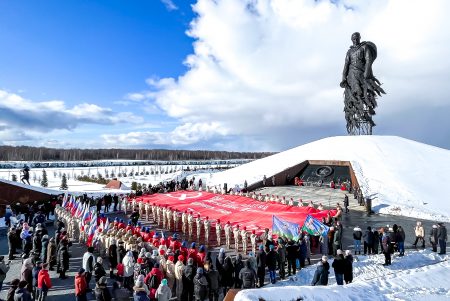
368 241
348 271
376 241
101 290
248 276
21 293
11 243
213 278
322 271
63 260
44 248
292 251
188 280
271 262
434 238
200 286
339 267
261 260
112 256
238 266
99 270
12 289
227 275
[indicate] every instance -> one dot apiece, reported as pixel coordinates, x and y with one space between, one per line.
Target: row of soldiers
169 218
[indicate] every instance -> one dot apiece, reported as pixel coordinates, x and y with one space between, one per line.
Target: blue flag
285 229
314 227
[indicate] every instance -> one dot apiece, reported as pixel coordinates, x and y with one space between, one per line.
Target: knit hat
171 258
180 258
81 271
164 282
193 245
202 248
148 255
261 247
271 247
348 252
162 252
324 258
339 252
222 250
155 252
200 271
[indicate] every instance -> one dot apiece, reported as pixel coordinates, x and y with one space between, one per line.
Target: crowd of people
158 265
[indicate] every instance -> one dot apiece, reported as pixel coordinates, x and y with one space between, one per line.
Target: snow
406 177
419 275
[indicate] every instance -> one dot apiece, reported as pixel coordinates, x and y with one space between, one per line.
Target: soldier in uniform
190 223
218 232
169 214
147 211
228 229
176 218
236 234
207 224
184 222
164 217
244 236
253 238
198 223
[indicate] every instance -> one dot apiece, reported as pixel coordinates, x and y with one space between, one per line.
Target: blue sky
225 74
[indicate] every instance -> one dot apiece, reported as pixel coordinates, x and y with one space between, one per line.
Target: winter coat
442 233
348 270
37 244
22 294
51 252
368 237
261 259
44 248
128 264
292 251
63 258
140 294
337 238
272 260
213 278
80 285
112 255
248 277
434 235
339 264
419 231
227 274
163 293
102 293
44 281
386 243
99 271
303 250
400 235
281 250
11 292
321 274
200 287
238 266
357 233
170 273
3 270
88 262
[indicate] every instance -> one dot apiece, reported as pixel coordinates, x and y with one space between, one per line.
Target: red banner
253 214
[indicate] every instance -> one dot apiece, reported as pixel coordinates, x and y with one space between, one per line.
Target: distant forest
27 153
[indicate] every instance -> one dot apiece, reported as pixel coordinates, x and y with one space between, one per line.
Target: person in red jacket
80 286
201 256
192 253
158 277
175 244
44 283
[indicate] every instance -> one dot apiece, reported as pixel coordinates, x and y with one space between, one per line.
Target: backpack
153 282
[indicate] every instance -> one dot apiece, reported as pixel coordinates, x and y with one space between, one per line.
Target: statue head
356 38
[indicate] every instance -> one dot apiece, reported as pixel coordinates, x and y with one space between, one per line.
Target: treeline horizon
31 153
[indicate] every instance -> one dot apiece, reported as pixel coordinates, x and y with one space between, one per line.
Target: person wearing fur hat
101 290
322 271
434 238
420 234
179 270
339 267
200 286
207 225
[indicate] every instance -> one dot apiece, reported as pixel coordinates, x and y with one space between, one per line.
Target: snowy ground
402 176
54 176
419 275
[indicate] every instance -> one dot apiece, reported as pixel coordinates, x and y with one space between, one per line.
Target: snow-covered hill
407 177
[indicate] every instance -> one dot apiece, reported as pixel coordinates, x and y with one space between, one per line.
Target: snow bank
413 277
408 178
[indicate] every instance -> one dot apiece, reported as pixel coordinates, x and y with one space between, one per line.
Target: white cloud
272 67
185 134
18 113
169 5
